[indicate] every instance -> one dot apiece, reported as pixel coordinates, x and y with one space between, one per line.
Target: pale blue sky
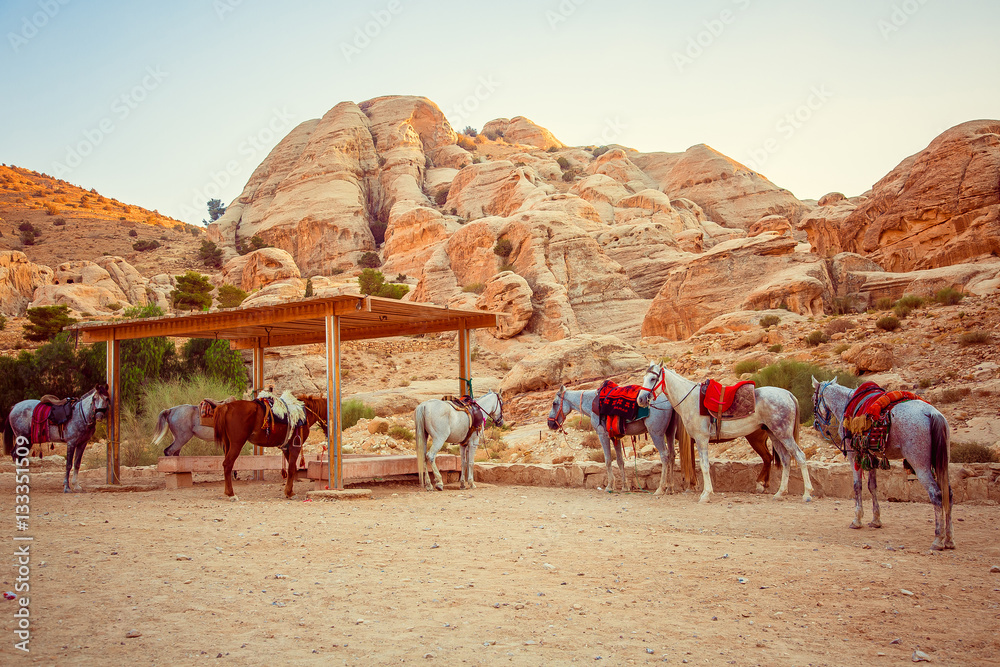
174 102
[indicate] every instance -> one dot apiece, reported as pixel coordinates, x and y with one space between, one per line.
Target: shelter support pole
464 361
114 419
257 385
333 453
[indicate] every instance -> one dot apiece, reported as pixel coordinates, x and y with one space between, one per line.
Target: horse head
496 414
557 415
649 383
100 401
823 414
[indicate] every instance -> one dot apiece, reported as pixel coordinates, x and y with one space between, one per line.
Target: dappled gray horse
184 422
919 434
659 425
75 433
439 422
776 410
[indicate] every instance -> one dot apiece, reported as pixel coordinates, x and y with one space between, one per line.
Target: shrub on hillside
475 288
370 260
144 245
838 325
949 296
51 209
978 337
816 337
769 321
562 162
568 176
441 198
796 377
192 291
746 366
133 233
46 321
371 281
210 254
230 296
883 303
503 247
972 452
351 411
59 222
600 150
887 323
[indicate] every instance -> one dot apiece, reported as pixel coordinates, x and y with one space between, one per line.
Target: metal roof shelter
328 320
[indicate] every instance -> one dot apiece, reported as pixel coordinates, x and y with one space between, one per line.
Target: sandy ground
518 575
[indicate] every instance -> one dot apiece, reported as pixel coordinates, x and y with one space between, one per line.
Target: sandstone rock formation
520 130
19 278
581 357
936 208
259 268
510 294
84 287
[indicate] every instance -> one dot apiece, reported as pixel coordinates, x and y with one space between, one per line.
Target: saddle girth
721 403
468 405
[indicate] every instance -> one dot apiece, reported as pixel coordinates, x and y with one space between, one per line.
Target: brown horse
242 421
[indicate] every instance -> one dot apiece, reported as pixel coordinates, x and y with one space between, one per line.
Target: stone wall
970 482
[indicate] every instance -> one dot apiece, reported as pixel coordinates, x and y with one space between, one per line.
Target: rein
90 423
823 420
661 381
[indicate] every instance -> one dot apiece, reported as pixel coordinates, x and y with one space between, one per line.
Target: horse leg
463 454
292 459
876 521
621 464
70 451
432 465
606 446
706 469
469 462
859 510
758 441
77 459
232 451
942 535
665 465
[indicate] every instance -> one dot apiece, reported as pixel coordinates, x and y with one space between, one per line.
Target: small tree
215 209
370 260
503 247
46 322
247 247
371 281
230 296
210 254
309 288
192 291
144 245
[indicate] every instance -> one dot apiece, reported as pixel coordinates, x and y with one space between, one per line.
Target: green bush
796 377
974 338
351 411
769 321
210 254
309 288
901 310
883 303
46 321
192 291
401 433
370 260
910 300
972 452
3 322
746 366
470 131
503 247
562 162
441 198
887 323
600 150
230 296
949 296
775 348
568 176
59 222
143 246
247 247
816 337
371 281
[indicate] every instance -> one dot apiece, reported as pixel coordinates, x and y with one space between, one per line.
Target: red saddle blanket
615 406
869 405
40 423
733 402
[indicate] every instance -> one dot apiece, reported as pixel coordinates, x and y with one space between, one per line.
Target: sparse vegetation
441 198
568 176
247 247
887 323
796 377
401 433
230 296
133 233
59 222
562 162
503 247
841 348
746 366
476 288
373 282
775 348
972 452
883 303
949 296
769 321
953 394
470 131
209 254
51 209
978 337
816 337
580 423
838 325
145 245
370 260
592 441
192 291
46 321
600 150
352 410
507 267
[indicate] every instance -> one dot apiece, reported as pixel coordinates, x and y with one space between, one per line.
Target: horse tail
939 457
161 426
421 438
219 429
686 445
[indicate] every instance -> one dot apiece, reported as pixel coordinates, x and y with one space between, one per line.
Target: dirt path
516 575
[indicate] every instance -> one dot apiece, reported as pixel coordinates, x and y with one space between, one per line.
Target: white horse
919 434
776 411
659 425
442 422
183 422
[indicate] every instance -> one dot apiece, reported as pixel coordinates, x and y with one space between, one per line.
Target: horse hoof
807 499
439 487
779 495
471 485
657 493
875 524
760 488
949 545
937 546
234 498
66 489
855 525
461 486
704 498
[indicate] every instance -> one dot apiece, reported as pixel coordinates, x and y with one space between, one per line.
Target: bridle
661 383
499 410
823 419
96 411
560 414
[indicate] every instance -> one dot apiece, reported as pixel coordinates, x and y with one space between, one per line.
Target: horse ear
562 390
813 378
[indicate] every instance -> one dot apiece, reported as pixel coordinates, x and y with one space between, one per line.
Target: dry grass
591 441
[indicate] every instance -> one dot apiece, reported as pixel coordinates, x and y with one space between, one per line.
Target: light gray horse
76 432
184 422
441 422
919 434
659 425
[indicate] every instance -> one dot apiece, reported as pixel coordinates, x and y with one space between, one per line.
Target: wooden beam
333 435
114 416
257 383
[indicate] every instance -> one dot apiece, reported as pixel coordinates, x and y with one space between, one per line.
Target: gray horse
919 434
76 432
659 425
183 422
440 422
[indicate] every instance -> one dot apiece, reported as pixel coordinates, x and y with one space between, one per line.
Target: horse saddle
616 406
285 409
206 410
723 403
870 404
468 405
60 409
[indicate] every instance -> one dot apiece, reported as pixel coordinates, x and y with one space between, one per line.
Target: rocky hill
600 255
